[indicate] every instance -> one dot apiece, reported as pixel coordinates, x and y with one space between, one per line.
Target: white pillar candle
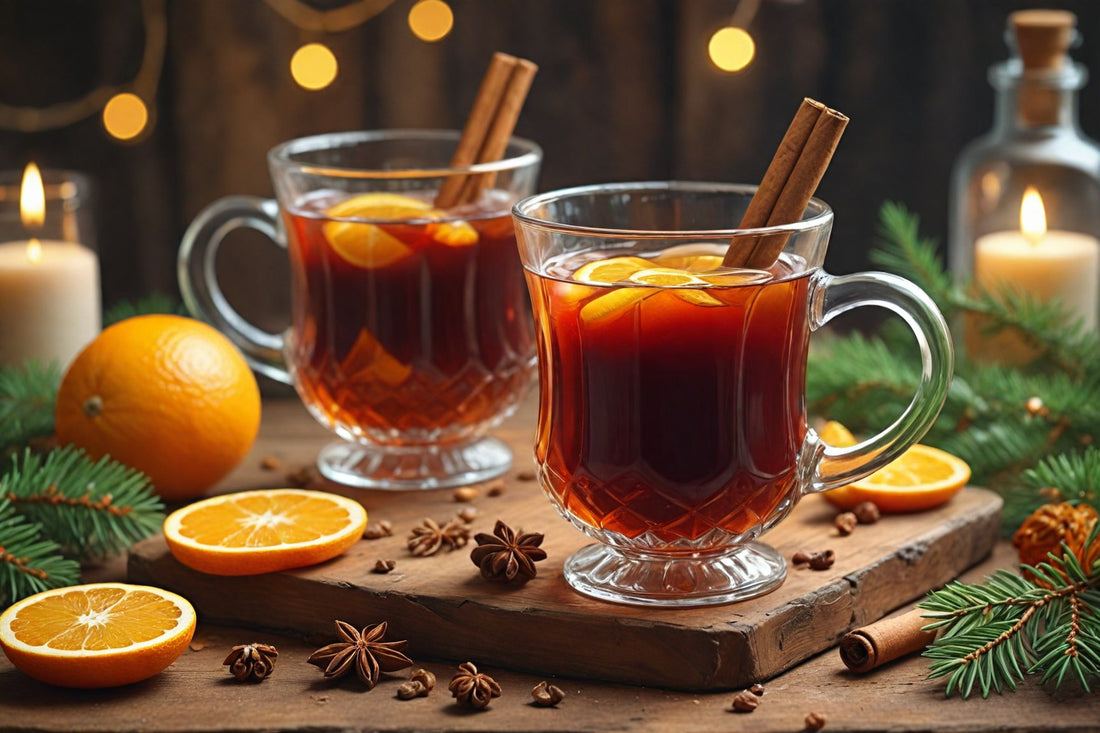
49 303
1058 265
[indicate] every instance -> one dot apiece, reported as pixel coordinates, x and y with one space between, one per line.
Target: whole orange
166 395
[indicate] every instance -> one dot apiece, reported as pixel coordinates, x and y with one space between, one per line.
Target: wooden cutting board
446 611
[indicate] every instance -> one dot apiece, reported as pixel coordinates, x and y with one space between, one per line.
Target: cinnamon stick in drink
488 127
500 131
790 181
884 641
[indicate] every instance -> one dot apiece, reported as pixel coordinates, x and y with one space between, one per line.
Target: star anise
251 662
505 554
428 538
471 688
364 650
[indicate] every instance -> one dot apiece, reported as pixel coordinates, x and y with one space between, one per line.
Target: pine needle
27 397
91 508
29 563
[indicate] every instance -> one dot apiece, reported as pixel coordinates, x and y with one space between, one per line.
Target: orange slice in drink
669 277
96 635
921 478
263 531
611 270
453 233
368 245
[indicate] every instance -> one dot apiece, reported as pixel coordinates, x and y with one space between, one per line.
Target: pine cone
1052 524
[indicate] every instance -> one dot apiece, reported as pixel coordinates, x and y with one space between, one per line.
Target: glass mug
672 421
411 334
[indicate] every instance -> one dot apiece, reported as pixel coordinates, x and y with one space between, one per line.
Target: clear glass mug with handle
410 333
672 419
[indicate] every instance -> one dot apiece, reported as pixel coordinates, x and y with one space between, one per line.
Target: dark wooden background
625 92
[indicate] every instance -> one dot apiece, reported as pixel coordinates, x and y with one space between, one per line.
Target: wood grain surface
446 611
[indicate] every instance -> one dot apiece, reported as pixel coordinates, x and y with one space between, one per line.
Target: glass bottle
1035 144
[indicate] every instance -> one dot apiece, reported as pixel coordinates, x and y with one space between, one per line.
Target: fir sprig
1002 421
90 508
27 397
29 562
997 632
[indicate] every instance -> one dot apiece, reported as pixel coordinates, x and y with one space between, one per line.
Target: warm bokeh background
626 91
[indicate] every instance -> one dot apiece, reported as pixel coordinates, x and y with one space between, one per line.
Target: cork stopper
1043 36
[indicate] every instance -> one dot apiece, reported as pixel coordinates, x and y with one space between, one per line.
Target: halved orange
263 531
368 245
921 478
96 635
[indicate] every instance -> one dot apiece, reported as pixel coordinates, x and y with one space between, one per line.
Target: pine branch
995 633
149 304
29 563
27 397
92 509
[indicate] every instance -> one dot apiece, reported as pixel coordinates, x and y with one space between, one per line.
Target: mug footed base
743 572
412 468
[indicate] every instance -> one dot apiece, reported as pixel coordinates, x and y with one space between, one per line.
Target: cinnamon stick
504 124
787 186
488 127
884 641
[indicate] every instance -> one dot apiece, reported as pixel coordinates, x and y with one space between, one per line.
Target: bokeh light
125 116
731 49
313 66
431 20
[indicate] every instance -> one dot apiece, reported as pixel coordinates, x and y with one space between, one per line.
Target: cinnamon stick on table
788 184
884 641
488 127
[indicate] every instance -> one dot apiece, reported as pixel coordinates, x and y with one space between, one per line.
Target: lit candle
49 290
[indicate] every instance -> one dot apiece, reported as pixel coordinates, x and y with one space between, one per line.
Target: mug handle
833 295
198 279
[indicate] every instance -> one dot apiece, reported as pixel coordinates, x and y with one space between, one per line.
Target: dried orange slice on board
263 531
921 478
96 635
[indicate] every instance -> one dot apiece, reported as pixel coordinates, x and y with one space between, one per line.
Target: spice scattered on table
845 523
473 689
270 463
251 662
382 567
815 721
362 650
867 512
466 493
468 514
745 702
815 560
546 695
378 530
506 555
429 537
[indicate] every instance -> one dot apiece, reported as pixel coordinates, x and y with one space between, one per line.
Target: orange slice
921 478
263 531
611 270
453 233
97 635
613 303
367 245
835 434
669 277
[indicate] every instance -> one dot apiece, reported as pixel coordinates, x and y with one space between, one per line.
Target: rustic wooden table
196 693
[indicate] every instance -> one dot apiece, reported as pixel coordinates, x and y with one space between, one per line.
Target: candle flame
1033 216
34 250
32 198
